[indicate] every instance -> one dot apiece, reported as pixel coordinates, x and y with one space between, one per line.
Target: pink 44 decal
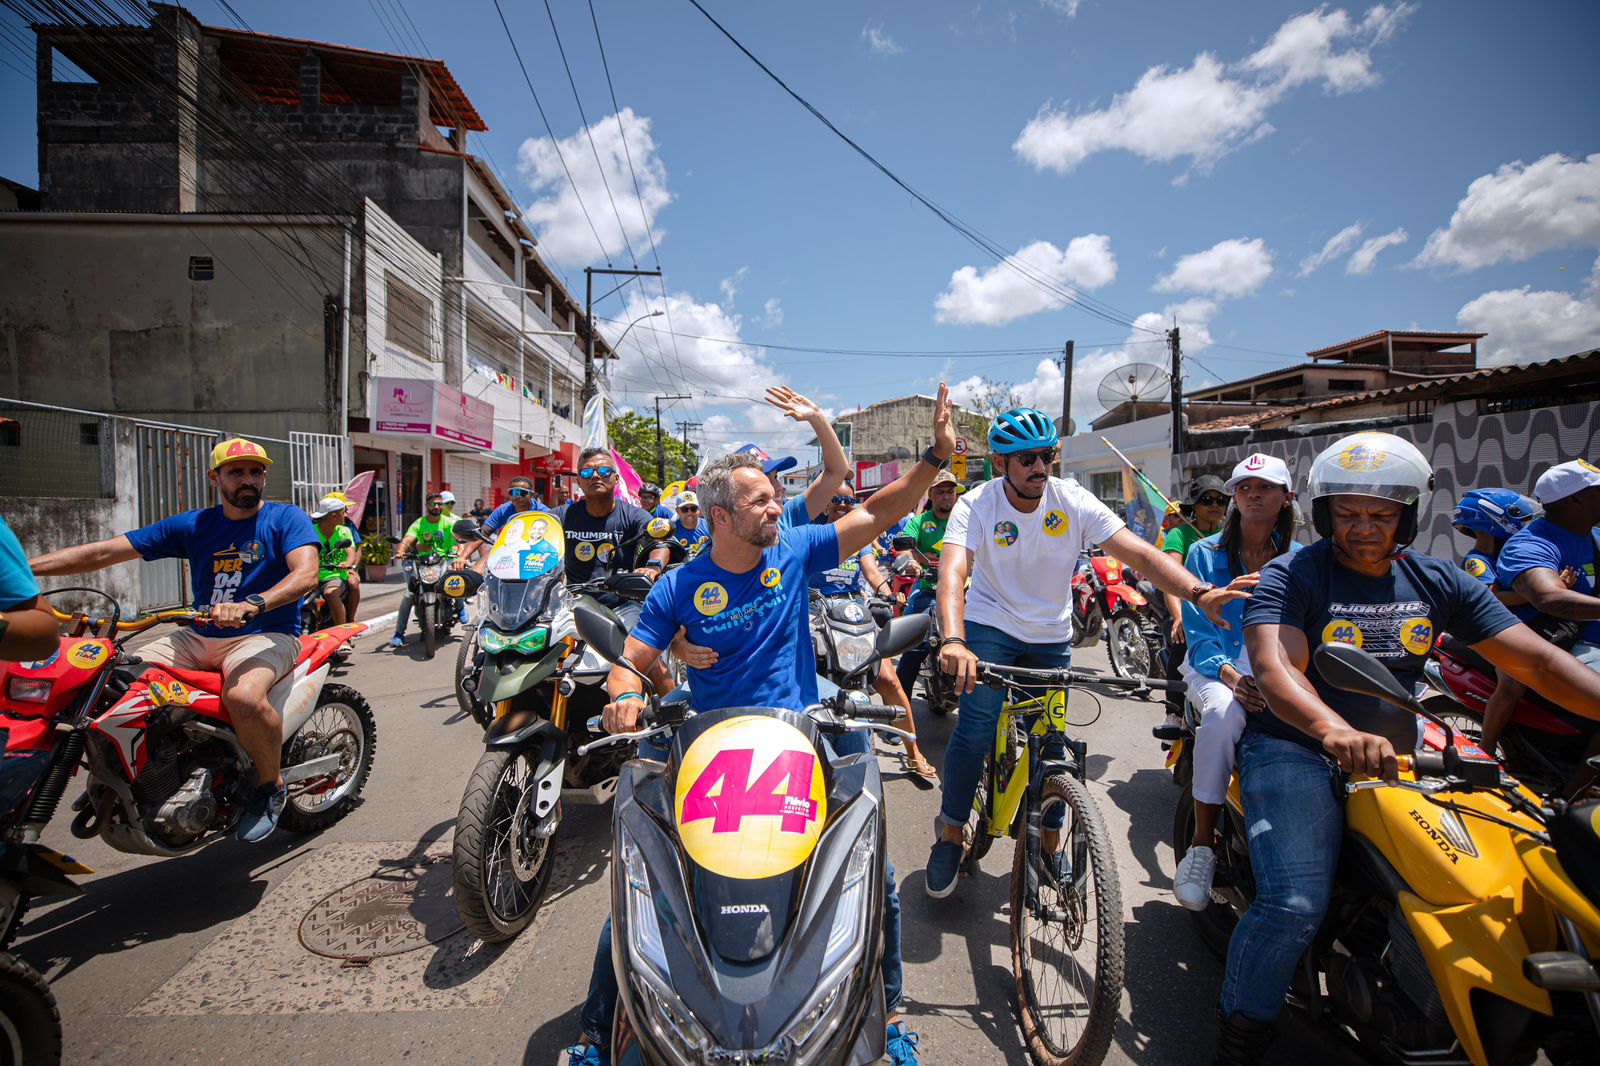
783 790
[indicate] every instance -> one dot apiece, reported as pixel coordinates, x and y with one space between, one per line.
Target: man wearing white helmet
1360 585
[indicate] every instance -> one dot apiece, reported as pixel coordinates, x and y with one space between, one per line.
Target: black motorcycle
747 890
436 610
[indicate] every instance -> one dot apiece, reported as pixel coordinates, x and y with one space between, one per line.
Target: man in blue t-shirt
28 631
690 529
1534 559
747 600
1361 586
250 564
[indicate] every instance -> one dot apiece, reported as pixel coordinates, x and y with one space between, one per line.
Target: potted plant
376 551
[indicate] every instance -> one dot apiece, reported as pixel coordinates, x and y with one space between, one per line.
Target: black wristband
933 460
954 640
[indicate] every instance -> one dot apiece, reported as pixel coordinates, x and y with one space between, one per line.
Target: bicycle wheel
1067 953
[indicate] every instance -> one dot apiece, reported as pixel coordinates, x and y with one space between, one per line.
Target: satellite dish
900 453
1066 430
1133 383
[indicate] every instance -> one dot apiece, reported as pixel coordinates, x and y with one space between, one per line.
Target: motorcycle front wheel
430 639
1130 654
30 1023
501 867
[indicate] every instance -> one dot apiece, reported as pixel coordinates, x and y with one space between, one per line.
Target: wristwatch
933 460
258 603
1200 590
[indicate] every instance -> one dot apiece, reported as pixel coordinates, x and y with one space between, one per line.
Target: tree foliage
633 435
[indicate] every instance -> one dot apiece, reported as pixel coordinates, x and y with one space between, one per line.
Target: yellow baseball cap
236 448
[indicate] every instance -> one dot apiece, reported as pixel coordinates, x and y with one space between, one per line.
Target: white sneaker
1192 885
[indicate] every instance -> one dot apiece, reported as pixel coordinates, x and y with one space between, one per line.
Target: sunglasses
851 500
1027 459
514 493
689 507
596 471
1213 501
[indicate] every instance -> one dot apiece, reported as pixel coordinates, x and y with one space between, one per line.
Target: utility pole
661 454
685 427
589 388
1176 348
1066 402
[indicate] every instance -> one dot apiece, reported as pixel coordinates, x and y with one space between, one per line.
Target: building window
89 434
201 268
1346 384
1108 487
10 433
408 324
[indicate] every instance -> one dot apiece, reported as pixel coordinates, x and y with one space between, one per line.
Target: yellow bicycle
1066 903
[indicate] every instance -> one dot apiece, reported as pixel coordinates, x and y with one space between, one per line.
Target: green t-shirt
929 533
1181 538
434 536
336 549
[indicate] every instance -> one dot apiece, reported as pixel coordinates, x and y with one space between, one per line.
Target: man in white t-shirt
1018 538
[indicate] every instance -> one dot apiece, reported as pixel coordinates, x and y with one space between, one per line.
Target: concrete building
901 428
194 122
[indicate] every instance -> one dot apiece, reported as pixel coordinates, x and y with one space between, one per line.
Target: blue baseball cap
769 465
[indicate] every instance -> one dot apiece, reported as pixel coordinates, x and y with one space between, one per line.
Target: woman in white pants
1258 528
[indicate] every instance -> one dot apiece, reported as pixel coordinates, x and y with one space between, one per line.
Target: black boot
1240 1041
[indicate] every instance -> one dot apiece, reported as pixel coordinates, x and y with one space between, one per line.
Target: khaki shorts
186 650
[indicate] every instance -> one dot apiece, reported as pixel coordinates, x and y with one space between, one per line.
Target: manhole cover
397 909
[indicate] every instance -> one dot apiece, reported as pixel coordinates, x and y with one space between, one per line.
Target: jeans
1587 654
973 737
1295 824
920 601
601 1005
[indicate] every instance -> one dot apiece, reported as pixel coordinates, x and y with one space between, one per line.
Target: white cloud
1527 326
730 286
556 214
1068 8
1337 245
772 313
1518 212
999 294
1230 268
880 43
1367 255
1206 110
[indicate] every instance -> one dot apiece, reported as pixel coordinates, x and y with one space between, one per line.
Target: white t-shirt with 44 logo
1022 563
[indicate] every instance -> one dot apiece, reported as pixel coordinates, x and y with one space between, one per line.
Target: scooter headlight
854 651
430 573
820 1017
671 1022
526 642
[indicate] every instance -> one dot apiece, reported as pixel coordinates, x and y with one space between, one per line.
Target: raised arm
84 558
886 506
835 466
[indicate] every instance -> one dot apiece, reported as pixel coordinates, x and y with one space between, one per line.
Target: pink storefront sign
431 408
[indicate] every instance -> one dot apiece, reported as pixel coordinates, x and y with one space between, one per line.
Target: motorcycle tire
1130 654
312 811
9 933
488 808
30 1022
1214 924
470 705
430 639
1094 1040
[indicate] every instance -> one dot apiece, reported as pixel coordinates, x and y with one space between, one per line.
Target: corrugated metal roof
1459 338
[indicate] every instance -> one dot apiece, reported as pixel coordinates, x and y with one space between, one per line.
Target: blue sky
1170 159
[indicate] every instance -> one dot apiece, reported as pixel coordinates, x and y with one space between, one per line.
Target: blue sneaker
397 641
944 863
586 1055
463 615
902 1045
261 814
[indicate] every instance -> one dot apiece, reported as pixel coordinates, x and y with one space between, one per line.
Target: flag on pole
1146 504
594 424
628 480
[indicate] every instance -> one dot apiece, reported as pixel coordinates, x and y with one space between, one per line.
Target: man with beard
250 564
600 525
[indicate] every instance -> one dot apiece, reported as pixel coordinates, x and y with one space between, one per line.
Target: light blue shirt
1212 648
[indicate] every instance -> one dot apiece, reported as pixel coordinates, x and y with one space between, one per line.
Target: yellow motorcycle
1465 919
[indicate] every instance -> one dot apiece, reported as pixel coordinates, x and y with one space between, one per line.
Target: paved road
199 960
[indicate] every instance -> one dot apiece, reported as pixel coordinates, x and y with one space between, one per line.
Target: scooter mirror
903 543
901 634
600 629
1348 667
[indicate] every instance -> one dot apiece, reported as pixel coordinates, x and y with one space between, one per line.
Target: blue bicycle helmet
1022 429
1497 512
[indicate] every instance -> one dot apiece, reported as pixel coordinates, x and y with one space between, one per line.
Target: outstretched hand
792 403
944 424
1212 603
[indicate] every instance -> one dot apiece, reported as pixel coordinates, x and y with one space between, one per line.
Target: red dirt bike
1543 744
166 773
1104 599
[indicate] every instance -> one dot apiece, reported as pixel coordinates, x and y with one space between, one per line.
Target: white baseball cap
1259 464
326 506
1565 479
447 496
686 498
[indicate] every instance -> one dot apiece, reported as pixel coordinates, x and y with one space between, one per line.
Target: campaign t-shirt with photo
694 541
1479 567
1542 544
843 578
1395 618
593 544
928 529
335 553
433 536
758 622
1023 563
233 559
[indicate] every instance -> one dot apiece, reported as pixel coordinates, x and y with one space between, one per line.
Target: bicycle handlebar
1076 677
